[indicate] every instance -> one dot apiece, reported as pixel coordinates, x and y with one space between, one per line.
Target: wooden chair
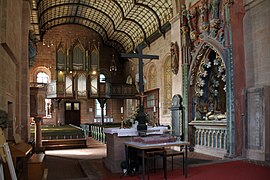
171 153
154 154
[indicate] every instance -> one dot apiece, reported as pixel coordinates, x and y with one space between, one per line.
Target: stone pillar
38 134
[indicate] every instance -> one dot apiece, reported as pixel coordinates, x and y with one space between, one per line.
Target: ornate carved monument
208 75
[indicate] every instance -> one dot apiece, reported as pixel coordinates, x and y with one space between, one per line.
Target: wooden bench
64 143
36 167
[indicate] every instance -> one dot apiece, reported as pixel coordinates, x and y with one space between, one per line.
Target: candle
122 110
154 109
122 124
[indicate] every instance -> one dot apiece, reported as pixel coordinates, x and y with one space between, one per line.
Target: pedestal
38 134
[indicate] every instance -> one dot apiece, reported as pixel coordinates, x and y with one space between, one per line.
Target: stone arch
106 73
38 69
224 53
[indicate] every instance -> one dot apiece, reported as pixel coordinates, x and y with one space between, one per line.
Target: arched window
167 81
129 80
98 109
42 77
152 77
102 78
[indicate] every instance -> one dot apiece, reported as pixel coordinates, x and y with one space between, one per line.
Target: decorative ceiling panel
123 24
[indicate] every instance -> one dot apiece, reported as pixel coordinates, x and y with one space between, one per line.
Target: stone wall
257 54
160 47
257 40
14 93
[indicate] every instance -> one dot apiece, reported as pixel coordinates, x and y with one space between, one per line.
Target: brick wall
14 26
47 56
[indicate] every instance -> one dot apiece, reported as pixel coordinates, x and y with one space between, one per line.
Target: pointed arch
152 77
209 44
129 80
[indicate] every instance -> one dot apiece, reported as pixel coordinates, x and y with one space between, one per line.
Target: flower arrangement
131 120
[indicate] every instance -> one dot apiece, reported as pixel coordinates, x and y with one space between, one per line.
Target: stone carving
174 57
32 48
214 9
202 31
185 40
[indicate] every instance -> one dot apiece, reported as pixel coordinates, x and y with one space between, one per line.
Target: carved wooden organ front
77 72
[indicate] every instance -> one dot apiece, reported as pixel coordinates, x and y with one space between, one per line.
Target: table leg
165 166
186 161
127 159
143 165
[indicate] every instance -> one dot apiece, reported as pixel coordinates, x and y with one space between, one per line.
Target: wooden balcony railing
105 90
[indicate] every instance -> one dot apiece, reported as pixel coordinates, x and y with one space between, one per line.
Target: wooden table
144 146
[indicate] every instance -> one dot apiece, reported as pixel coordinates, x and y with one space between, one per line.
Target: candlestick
122 124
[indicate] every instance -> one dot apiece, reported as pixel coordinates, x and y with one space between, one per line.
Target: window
102 78
151 100
76 106
167 81
98 109
68 106
42 77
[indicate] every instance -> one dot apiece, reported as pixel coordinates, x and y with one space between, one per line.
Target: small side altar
116 139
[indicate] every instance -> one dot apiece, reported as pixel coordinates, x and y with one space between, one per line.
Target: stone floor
87 163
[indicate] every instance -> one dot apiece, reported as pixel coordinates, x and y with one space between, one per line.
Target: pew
36 167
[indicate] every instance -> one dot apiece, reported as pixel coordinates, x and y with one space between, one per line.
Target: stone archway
208 96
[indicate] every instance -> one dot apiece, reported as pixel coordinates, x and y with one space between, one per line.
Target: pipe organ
77 72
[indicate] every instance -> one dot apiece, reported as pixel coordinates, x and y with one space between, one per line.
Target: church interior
193 73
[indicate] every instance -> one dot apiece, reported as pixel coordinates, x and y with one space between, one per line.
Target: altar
116 139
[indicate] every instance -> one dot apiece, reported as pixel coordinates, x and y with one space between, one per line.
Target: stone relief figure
174 57
32 47
214 8
185 37
192 19
203 11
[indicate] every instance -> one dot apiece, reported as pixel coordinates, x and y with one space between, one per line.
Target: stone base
257 155
217 152
115 152
113 165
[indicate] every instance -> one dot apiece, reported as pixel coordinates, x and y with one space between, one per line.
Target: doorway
72 113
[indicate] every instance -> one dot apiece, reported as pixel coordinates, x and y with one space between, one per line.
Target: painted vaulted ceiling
122 24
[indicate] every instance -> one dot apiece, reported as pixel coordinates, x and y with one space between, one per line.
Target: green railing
96 131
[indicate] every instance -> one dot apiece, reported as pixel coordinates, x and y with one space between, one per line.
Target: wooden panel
36 166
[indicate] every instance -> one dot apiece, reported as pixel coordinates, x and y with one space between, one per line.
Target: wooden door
72 113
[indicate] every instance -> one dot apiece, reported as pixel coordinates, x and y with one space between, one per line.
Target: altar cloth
134 132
